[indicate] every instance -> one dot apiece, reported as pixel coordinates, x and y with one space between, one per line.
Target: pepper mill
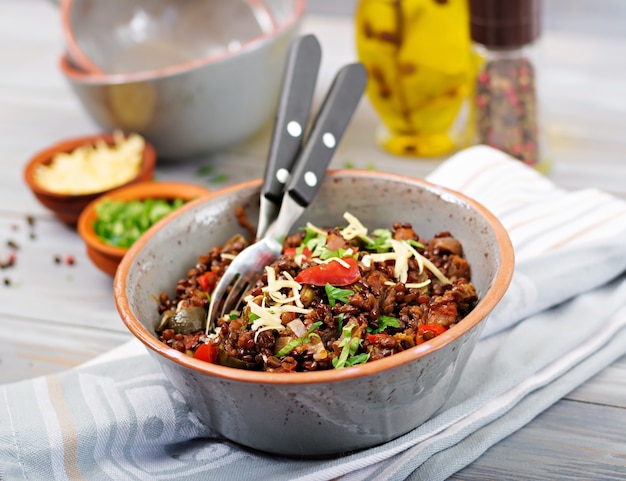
506 40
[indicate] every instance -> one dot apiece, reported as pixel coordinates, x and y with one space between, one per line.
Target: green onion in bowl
120 223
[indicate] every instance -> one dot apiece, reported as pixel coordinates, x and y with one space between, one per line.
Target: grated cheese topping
298 258
413 285
332 259
354 228
316 229
402 252
93 168
269 317
274 287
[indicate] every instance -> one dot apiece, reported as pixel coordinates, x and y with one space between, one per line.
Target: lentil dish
336 297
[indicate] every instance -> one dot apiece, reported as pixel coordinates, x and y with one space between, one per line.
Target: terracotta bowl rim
88 72
489 301
141 190
148 164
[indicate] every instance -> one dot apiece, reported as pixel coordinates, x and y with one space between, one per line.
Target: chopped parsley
383 323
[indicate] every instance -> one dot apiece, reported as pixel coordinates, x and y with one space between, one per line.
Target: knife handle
327 130
292 116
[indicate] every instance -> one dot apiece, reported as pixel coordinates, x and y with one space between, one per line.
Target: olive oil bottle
419 59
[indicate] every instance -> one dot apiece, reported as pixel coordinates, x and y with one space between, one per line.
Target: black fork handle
292 116
326 133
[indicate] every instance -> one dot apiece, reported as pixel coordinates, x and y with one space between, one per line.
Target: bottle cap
504 23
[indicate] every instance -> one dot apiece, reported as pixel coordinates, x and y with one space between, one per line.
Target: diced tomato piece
436 329
375 338
207 281
378 338
333 273
292 251
206 352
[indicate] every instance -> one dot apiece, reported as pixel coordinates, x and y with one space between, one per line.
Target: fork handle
294 106
327 130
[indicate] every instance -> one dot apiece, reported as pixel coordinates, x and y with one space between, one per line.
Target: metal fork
309 171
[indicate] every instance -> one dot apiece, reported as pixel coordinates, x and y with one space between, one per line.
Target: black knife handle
327 130
292 116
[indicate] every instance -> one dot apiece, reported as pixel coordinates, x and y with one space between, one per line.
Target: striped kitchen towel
566 242
104 421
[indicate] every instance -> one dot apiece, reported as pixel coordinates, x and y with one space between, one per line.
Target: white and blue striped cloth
104 421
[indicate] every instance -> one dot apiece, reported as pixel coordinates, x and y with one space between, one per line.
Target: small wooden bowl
107 257
67 207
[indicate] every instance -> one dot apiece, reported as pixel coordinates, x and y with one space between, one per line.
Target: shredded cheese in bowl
93 168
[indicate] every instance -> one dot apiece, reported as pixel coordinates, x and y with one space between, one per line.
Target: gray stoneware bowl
199 105
325 412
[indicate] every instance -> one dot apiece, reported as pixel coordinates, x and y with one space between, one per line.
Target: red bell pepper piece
206 352
333 273
207 281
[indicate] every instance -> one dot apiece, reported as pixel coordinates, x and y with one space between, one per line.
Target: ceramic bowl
107 257
325 412
68 207
195 106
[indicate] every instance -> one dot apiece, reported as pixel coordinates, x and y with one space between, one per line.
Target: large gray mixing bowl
199 105
137 35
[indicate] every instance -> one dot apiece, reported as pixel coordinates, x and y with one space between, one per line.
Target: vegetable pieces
120 223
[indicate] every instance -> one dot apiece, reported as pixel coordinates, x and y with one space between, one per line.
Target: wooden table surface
56 316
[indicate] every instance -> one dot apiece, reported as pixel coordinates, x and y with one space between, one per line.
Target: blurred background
582 76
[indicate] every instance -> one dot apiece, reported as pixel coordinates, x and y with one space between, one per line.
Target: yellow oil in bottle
419 60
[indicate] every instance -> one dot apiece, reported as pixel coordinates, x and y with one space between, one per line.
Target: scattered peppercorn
57 259
7 281
12 244
30 220
69 260
9 262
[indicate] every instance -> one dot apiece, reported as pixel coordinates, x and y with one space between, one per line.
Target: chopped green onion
414 243
120 223
340 321
349 346
358 359
379 241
